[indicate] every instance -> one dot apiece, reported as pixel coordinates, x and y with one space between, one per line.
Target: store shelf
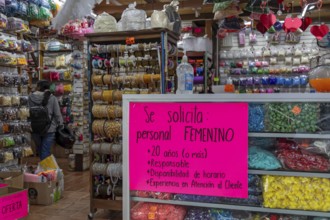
291 135
141 35
192 54
289 173
57 51
107 204
11 66
234 207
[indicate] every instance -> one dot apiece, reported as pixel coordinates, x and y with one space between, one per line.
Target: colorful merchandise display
296 193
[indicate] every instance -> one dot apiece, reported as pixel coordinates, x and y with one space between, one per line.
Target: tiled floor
75 202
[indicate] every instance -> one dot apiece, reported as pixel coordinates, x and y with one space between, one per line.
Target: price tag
130 40
296 110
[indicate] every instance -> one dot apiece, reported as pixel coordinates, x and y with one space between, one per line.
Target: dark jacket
53 109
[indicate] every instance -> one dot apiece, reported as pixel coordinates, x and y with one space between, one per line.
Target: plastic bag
291 193
60 62
159 19
297 160
324 122
44 14
256 117
105 23
198 214
33 11
292 117
143 211
262 159
133 19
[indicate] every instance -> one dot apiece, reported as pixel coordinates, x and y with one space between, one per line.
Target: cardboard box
12 179
44 193
13 203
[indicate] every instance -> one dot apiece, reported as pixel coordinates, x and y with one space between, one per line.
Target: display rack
65 78
79 157
134 62
15 84
206 61
130 199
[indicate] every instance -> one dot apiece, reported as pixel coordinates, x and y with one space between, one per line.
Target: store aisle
75 203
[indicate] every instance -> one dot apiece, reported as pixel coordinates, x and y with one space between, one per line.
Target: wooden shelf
11 66
192 54
116 205
56 51
141 35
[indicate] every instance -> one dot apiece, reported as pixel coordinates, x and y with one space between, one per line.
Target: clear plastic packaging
133 19
143 211
302 193
33 11
198 214
159 19
292 117
294 157
262 159
256 117
105 23
3 21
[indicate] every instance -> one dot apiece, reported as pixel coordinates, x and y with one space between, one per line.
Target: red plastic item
151 211
293 158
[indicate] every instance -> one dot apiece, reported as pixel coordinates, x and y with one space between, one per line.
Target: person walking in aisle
45 117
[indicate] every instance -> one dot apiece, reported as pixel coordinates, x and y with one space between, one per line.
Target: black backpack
39 118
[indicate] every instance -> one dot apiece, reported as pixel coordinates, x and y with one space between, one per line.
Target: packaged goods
303 193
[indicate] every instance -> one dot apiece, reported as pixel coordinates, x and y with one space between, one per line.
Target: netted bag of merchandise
292 117
304 193
146 211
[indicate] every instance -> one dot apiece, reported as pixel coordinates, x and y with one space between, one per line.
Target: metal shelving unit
128 200
232 207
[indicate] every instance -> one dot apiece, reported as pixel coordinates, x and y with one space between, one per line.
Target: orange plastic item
321 84
229 88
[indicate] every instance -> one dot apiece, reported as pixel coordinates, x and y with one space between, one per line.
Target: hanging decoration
319 31
292 24
261 28
278 26
268 20
305 23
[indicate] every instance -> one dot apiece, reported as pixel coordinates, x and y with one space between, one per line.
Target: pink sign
190 148
14 206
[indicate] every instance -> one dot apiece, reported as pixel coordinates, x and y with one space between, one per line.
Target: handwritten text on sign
14 206
191 148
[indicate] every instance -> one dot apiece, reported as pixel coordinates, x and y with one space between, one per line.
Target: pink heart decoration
305 23
319 31
292 24
268 20
261 28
